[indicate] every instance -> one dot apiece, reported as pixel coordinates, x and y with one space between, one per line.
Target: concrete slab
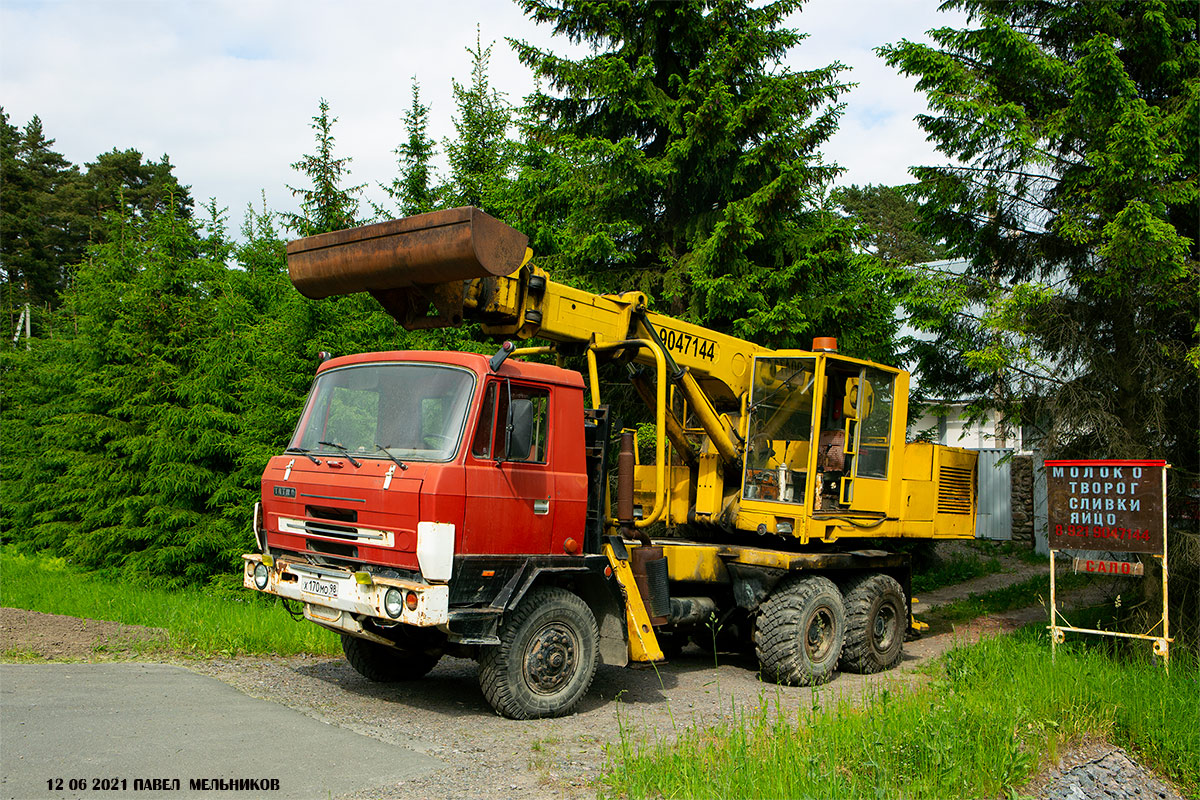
136 721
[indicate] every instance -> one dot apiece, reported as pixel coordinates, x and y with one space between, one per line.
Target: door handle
541 506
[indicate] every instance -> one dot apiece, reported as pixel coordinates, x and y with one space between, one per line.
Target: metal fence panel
993 518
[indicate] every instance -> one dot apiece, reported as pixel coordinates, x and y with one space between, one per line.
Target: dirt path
33 636
1014 570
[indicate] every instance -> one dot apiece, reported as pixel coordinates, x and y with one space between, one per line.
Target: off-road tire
546 658
876 619
383 664
799 632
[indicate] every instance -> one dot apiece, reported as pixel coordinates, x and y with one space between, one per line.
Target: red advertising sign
1106 505
1102 567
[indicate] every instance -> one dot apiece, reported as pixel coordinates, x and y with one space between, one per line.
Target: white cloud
227 88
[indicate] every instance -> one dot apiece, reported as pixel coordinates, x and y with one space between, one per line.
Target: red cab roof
477 363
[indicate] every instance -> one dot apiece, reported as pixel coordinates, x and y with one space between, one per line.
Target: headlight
393 602
260 576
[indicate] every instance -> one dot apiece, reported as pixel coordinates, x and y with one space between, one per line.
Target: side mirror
518 435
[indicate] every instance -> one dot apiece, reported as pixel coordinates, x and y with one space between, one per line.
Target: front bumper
358 595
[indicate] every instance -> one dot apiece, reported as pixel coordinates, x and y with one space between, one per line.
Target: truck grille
954 490
347 533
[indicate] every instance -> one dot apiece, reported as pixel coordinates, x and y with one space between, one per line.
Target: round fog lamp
260 575
393 602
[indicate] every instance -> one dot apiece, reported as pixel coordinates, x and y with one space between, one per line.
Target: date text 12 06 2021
162 784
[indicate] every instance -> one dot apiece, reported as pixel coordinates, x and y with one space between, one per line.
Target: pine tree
327 205
42 231
694 172
121 181
890 222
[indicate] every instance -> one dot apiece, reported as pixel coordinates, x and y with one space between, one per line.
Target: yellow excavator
435 502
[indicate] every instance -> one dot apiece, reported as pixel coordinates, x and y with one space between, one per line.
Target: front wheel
546 658
383 664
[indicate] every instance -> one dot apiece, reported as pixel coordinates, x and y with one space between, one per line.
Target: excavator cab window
845 399
876 424
780 429
854 432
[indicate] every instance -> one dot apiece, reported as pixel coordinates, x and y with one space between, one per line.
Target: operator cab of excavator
820 430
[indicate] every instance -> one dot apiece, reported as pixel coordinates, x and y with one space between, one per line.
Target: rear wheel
876 618
383 664
546 659
799 632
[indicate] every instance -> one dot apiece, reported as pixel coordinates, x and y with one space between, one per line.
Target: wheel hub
551 658
885 627
819 637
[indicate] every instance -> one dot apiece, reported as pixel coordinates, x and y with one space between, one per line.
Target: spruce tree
326 205
413 190
482 158
128 439
693 169
1075 128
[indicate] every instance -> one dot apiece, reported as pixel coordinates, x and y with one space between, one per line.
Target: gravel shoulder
445 715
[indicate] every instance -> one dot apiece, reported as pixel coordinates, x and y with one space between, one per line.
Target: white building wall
952 428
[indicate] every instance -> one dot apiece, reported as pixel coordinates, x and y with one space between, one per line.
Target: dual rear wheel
807 628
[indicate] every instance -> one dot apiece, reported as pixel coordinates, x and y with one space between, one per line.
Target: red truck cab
387 441
404 474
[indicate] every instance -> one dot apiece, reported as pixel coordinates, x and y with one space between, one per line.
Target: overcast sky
228 88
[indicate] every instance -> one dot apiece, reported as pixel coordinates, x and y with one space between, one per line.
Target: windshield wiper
306 453
399 463
349 457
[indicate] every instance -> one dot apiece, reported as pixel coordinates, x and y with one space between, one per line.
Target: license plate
321 588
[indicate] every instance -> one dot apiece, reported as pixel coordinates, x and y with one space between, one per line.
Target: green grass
196 622
962 567
1029 592
992 714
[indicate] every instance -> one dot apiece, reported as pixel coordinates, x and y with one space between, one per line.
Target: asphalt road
127 722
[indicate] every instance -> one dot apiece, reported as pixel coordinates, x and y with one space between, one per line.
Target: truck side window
481 446
540 398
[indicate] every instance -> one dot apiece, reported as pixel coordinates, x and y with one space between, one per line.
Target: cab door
510 506
855 452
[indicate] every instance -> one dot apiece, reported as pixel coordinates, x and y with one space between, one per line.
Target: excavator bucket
415 267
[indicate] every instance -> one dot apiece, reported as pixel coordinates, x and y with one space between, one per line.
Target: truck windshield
413 411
